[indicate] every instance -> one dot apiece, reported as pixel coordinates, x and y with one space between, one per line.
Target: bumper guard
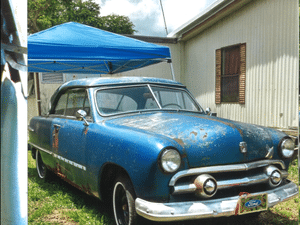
176 211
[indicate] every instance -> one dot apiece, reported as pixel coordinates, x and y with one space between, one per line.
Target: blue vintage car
147 146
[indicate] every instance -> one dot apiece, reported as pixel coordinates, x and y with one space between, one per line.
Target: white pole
14 209
13 153
172 71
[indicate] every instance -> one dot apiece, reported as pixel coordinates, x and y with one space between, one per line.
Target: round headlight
287 148
170 160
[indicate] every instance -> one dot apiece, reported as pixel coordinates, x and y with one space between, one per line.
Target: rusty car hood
206 140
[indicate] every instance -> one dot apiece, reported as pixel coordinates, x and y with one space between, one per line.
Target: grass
57 202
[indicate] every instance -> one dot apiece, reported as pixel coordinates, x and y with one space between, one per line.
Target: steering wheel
174 104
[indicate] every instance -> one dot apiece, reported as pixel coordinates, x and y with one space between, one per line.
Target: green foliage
43 14
57 202
117 24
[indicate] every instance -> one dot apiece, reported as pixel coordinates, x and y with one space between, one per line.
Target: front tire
40 166
123 202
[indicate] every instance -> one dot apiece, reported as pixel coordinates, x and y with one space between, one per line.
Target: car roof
105 81
111 81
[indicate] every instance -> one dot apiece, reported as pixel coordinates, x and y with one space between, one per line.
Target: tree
117 24
43 14
40 14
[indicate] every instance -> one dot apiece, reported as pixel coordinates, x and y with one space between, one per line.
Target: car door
69 137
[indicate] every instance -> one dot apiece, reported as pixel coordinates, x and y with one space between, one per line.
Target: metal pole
13 153
172 71
162 10
14 113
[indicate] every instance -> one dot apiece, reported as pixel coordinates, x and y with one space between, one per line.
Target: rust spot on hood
226 123
179 141
194 133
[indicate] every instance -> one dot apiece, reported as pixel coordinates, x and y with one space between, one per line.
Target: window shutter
218 75
242 87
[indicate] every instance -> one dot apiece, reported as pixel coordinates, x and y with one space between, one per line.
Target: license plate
252 203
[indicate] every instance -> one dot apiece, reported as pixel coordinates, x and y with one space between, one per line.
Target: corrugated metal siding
161 70
52 78
270 31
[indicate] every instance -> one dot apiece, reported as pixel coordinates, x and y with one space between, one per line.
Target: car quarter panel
42 138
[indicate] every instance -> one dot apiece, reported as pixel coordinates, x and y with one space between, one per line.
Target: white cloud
179 12
147 17
127 8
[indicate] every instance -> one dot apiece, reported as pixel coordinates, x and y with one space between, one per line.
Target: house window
231 74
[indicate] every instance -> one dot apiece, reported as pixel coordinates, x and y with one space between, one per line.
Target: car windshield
118 100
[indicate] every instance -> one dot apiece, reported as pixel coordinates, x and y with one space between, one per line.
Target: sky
147 15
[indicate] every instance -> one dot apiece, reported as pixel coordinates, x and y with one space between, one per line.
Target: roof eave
213 14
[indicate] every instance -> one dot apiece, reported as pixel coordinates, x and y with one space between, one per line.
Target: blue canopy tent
77 48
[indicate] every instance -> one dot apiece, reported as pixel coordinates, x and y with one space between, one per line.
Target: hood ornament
270 152
243 147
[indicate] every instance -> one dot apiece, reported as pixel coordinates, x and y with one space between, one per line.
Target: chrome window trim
187 92
225 168
149 85
156 100
70 117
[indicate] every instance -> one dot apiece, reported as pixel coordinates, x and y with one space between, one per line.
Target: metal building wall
160 70
270 31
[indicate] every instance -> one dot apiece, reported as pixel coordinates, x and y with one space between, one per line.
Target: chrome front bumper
176 211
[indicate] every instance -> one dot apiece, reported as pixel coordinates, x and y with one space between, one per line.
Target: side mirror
209 113
81 114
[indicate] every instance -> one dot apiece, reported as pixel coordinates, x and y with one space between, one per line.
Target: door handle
57 126
30 128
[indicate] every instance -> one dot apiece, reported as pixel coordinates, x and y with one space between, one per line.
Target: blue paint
253 203
134 141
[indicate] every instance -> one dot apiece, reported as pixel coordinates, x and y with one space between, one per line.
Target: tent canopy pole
172 71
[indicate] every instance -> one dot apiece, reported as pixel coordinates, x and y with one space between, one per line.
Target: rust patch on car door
55 139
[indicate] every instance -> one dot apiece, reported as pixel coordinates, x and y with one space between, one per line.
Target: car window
75 102
138 98
125 99
61 105
127 104
174 98
113 102
70 102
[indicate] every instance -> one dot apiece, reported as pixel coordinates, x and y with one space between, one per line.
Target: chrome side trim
190 188
40 148
225 168
60 157
70 162
177 211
